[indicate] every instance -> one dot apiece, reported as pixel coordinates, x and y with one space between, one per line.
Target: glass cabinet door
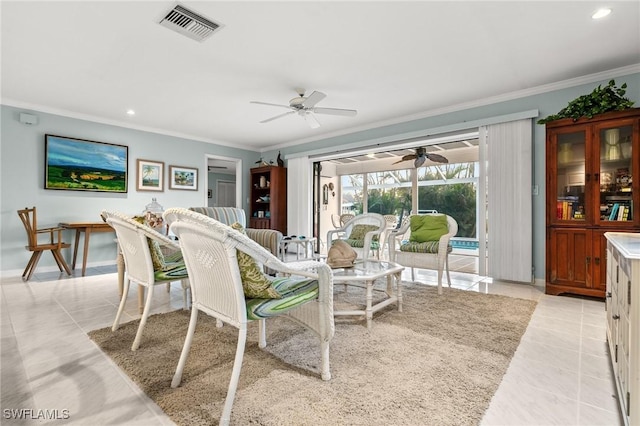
570 184
615 174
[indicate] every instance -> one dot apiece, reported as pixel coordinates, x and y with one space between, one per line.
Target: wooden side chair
53 243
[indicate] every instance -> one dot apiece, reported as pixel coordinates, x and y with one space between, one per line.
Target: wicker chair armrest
340 232
399 233
149 232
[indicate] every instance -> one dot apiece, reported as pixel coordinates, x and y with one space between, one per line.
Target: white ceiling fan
305 106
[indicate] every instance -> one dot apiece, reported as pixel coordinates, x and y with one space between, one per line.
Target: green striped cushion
294 292
172 271
360 243
426 247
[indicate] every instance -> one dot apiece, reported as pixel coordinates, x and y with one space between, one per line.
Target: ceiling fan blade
311 120
336 111
406 158
313 99
437 158
267 103
419 161
277 116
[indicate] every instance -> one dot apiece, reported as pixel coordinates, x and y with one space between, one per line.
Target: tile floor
560 374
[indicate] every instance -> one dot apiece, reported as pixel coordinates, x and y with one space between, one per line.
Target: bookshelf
268 202
590 165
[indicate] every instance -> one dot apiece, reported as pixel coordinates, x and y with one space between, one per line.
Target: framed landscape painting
84 165
150 176
183 178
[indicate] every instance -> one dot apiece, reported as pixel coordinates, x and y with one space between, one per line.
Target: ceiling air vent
188 23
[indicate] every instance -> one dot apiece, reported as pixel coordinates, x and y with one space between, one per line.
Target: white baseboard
11 273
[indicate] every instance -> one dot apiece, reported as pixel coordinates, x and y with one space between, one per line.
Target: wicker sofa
267 238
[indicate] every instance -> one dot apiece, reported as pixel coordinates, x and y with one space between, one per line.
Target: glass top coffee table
364 274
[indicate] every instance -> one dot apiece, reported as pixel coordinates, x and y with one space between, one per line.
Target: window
451 189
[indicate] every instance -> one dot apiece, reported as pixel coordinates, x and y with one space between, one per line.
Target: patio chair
217 258
424 243
346 217
363 233
145 263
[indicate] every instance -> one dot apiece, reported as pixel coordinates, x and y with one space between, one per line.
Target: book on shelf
566 207
614 211
623 212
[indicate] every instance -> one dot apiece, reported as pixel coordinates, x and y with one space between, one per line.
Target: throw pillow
341 255
428 227
359 231
254 283
157 257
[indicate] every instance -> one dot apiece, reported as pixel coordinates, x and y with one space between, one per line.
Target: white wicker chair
346 217
209 248
438 260
362 247
133 241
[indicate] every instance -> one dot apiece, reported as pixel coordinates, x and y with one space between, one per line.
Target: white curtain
299 196
509 228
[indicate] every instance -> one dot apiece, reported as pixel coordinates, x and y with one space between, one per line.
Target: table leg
75 249
369 311
87 235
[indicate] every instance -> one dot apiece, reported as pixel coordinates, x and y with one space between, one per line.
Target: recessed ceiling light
371 155
131 112
601 13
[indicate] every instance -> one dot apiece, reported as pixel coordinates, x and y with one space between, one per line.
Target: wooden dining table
87 228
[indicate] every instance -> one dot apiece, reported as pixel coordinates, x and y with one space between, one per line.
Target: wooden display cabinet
268 200
590 189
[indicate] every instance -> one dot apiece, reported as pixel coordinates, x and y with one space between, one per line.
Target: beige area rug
437 363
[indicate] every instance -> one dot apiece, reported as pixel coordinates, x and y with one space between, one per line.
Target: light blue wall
547 104
22 175
22 180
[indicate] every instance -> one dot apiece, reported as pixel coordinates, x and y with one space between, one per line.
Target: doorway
224 181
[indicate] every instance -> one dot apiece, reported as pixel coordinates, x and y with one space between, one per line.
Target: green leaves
602 99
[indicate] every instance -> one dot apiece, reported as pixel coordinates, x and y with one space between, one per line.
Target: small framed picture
209 193
150 175
183 178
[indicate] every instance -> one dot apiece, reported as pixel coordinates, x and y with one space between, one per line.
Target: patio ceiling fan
421 156
305 106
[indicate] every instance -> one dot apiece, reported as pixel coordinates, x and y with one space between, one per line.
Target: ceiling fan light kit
305 106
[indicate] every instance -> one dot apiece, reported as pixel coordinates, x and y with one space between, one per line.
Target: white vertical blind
481 206
509 147
299 193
